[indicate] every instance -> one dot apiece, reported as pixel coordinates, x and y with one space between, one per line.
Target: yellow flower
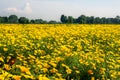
118 73
67 54
16 77
58 59
24 69
1 59
90 72
58 74
46 65
102 70
28 72
68 71
43 77
53 70
27 76
53 64
77 71
63 65
1 77
4 75
92 78
7 67
45 70
5 49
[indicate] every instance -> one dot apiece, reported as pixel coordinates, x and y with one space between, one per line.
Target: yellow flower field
59 52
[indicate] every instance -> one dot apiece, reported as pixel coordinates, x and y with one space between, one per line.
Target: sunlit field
59 52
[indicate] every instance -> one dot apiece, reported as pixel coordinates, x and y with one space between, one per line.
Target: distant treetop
82 19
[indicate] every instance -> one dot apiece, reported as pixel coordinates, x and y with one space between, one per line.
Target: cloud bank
26 9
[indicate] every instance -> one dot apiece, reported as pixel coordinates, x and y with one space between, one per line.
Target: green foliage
82 19
63 19
23 20
13 19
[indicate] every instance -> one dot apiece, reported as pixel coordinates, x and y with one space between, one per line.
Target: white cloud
13 9
26 9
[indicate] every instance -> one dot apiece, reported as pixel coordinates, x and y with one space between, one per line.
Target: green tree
4 19
109 21
32 21
70 19
117 19
97 20
23 20
63 19
38 21
81 19
0 19
52 22
104 20
91 20
13 19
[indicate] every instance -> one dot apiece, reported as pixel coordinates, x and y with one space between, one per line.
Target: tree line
63 20
90 20
13 19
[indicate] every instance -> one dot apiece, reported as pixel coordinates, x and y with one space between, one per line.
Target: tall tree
103 20
70 19
108 20
32 21
13 19
38 21
63 19
4 19
78 20
23 20
91 20
97 20
82 19
52 22
0 19
117 19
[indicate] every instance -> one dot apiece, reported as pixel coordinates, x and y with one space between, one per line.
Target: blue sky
52 9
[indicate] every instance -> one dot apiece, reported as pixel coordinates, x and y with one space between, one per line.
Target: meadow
59 52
